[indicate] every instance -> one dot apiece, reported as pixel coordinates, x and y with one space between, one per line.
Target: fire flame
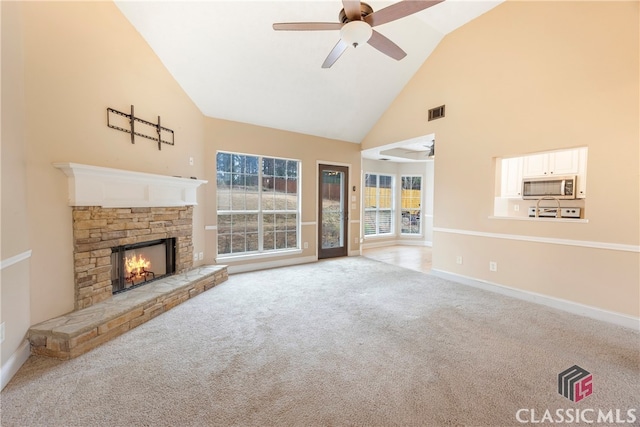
136 266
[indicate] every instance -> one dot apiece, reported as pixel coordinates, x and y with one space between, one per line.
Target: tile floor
411 257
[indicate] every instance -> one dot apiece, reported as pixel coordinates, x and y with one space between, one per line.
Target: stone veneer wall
96 230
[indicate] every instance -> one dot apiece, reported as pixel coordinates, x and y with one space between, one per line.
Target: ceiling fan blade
335 53
398 10
307 26
386 46
352 9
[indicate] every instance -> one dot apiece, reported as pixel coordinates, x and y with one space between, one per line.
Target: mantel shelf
117 188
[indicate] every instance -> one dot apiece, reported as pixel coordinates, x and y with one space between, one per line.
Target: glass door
333 215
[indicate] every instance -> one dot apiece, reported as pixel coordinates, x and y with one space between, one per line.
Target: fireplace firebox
137 264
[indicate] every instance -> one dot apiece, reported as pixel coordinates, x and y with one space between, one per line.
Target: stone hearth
76 333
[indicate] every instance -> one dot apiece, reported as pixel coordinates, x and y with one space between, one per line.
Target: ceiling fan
357 20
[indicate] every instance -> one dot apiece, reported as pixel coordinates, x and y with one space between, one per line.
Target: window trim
261 252
392 209
419 233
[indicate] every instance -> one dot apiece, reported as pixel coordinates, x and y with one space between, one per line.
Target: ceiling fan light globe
356 32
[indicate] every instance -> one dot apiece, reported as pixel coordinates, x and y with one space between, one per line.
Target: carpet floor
343 342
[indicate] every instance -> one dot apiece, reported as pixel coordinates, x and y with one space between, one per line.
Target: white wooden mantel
116 188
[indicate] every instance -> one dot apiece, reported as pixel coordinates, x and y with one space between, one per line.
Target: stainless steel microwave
560 187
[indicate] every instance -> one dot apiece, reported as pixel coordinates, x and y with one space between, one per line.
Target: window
378 204
411 200
258 202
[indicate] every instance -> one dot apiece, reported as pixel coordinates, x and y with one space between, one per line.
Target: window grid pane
369 223
384 221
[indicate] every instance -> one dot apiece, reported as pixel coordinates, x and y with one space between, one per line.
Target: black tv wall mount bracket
114 115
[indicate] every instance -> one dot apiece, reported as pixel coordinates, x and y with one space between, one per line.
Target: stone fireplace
98 232
115 210
133 256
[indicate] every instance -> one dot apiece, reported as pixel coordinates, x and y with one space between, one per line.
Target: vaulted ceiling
234 66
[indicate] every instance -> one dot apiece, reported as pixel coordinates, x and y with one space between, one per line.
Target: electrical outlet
459 259
306 245
516 208
195 256
200 256
493 266
1 332
190 161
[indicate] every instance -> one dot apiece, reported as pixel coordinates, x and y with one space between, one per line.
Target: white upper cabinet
564 162
535 165
511 177
582 173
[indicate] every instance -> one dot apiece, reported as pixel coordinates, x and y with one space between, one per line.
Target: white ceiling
410 150
234 66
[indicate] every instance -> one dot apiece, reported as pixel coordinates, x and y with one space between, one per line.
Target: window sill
256 256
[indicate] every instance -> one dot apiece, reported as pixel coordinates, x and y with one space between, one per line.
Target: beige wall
14 280
223 135
80 58
527 77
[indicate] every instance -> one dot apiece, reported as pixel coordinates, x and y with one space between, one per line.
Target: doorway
333 213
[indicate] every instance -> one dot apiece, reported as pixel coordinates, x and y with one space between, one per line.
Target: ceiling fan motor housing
356 32
365 10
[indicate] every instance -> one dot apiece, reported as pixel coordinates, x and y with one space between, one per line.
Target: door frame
342 250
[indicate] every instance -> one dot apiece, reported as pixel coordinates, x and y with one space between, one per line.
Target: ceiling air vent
436 113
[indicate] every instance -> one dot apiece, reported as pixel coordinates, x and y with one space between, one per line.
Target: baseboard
14 363
254 266
557 303
397 242
410 242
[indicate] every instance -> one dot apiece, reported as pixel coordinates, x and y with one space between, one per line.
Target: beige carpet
345 342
